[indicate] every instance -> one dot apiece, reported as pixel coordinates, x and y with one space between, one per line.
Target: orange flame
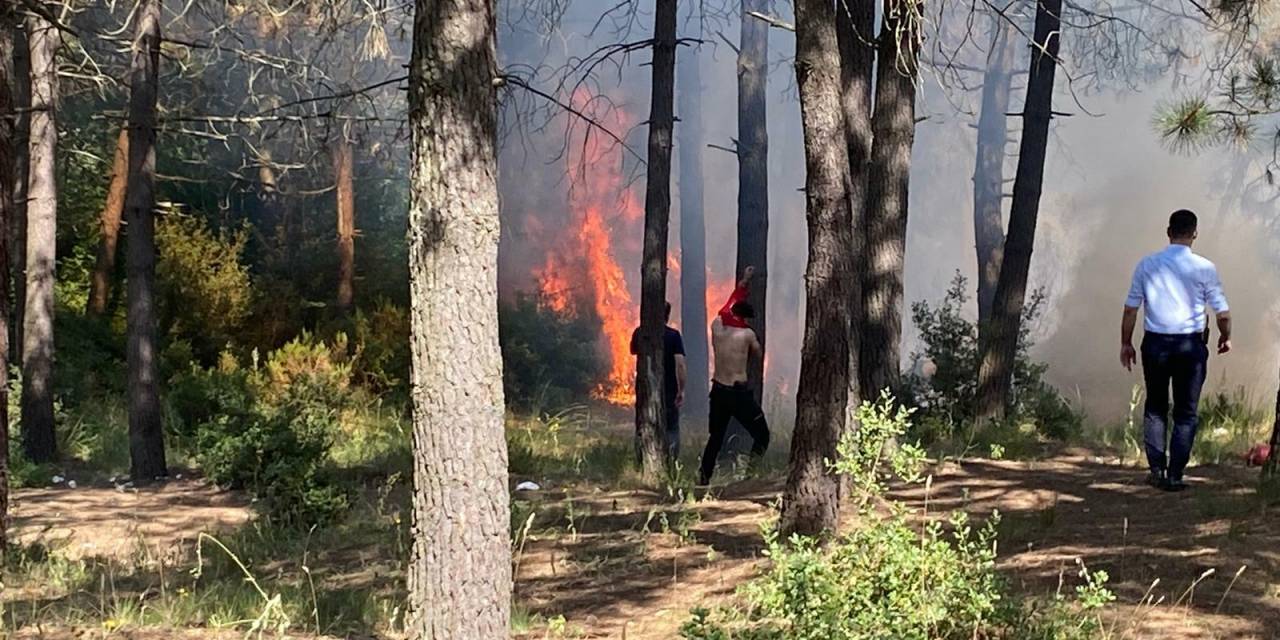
584 271
553 289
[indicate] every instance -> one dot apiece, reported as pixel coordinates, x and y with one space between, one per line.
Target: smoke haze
1109 188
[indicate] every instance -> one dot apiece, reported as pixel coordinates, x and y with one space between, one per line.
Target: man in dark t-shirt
673 376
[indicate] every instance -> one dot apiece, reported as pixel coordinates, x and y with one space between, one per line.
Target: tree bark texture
38 439
459 573
650 418
753 174
893 127
988 172
693 236
146 430
855 20
811 500
109 229
17 228
343 171
9 140
995 376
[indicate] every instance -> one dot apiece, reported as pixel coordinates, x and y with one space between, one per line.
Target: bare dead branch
772 21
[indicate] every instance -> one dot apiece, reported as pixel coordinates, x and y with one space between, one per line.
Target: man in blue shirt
674 373
1176 287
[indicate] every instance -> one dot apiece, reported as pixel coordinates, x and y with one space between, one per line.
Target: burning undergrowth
572 254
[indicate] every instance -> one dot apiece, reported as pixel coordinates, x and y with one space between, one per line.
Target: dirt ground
123 523
627 564
610 580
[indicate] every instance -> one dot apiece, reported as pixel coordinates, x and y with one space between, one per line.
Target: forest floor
593 562
607 578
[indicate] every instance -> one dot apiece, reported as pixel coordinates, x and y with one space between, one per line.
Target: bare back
732 347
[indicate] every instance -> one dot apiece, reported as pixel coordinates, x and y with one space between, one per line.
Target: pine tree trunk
38 438
753 174
893 127
459 573
1272 465
343 170
17 228
146 432
693 237
650 418
109 228
854 33
988 173
995 377
811 500
9 139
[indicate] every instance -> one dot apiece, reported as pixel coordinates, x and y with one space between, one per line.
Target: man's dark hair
668 311
743 310
1182 224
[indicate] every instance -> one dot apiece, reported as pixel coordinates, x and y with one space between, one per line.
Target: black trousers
1178 361
737 402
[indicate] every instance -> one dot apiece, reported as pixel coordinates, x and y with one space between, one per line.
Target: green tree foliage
203 290
943 384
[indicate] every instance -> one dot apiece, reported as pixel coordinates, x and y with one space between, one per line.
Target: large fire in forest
592 265
584 271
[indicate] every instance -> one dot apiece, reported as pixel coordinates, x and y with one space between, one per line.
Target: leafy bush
947 397
269 430
381 340
935 583
549 359
203 291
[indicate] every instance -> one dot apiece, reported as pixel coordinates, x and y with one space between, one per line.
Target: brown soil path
122 523
609 579
628 564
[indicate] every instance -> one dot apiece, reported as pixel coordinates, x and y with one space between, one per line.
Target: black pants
1180 360
732 402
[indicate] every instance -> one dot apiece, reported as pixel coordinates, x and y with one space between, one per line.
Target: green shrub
269 430
946 399
203 292
549 359
381 341
888 577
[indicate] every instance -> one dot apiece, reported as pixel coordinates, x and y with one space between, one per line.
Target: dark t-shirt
672 346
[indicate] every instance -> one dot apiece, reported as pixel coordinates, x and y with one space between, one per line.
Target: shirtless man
733 342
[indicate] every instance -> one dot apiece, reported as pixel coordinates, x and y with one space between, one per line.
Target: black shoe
1174 485
1156 479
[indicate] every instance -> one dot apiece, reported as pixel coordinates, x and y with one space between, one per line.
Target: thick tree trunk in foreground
9 139
988 172
109 228
811 500
753 174
1273 455
38 438
650 418
693 237
343 172
894 129
17 228
146 432
459 573
995 377
855 24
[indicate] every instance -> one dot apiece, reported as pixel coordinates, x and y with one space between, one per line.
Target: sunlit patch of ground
612 576
599 562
